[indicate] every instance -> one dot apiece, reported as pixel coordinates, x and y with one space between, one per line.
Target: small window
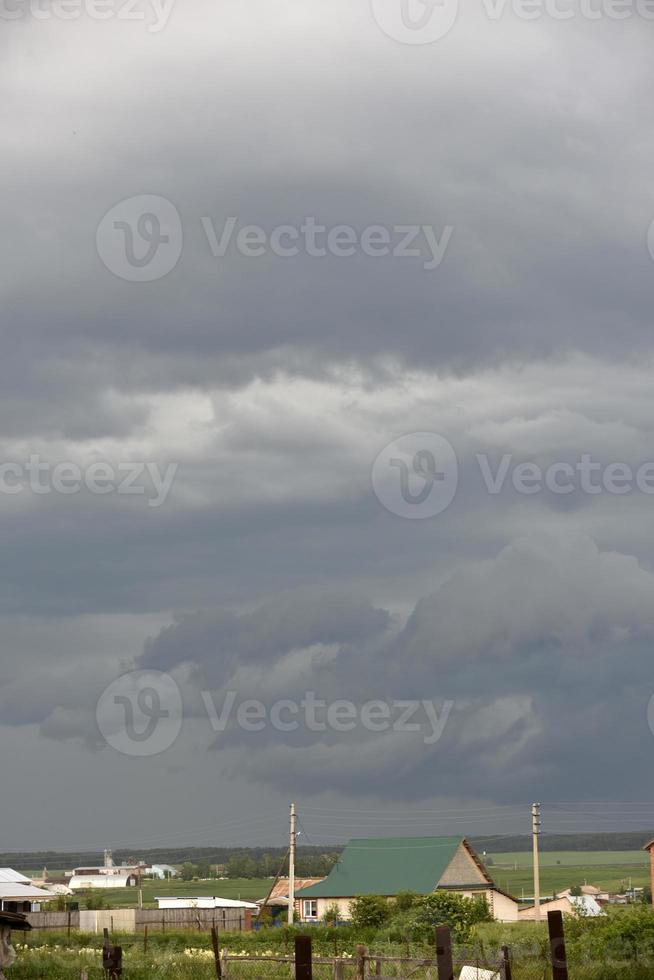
310 909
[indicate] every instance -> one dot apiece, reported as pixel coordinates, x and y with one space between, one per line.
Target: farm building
18 894
601 897
386 866
584 905
161 871
80 882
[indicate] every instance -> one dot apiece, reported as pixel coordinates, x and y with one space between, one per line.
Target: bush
405 900
450 909
332 915
369 911
96 900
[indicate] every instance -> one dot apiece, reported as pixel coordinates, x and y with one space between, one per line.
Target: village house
277 900
386 866
18 894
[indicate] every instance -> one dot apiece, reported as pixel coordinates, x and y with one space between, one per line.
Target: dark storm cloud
273 383
519 184
527 647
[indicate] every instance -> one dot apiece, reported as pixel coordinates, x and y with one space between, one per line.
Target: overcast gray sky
484 315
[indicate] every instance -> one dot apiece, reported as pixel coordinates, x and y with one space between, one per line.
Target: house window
310 908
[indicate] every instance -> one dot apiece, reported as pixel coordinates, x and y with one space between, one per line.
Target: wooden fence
305 966
227 920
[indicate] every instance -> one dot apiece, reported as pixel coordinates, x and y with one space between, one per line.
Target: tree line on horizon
36 860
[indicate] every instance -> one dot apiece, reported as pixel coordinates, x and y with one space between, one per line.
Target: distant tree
96 900
369 910
576 891
189 871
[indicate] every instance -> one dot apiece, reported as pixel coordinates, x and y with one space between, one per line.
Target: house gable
464 869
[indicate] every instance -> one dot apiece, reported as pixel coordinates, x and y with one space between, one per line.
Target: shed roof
388 865
11 889
8 874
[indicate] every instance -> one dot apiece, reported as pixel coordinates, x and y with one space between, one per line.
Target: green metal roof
386 866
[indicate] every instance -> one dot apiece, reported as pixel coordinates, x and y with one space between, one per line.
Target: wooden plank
557 946
444 960
505 969
303 957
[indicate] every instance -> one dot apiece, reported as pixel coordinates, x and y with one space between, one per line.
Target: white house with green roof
388 865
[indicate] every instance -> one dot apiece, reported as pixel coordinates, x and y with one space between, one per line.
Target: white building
161 871
80 882
204 902
18 894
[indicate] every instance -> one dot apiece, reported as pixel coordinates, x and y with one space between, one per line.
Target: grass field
248 889
611 870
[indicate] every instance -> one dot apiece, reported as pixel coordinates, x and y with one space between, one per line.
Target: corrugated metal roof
386 866
9 890
8 874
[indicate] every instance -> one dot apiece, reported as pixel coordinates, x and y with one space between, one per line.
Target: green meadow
610 870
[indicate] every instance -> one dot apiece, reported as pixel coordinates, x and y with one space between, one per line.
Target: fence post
505 969
557 946
216 952
339 970
112 957
444 953
303 958
362 952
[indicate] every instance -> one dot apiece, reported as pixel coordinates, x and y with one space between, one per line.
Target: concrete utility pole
535 833
291 869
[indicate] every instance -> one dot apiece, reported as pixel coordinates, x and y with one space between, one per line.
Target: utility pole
291 869
535 833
